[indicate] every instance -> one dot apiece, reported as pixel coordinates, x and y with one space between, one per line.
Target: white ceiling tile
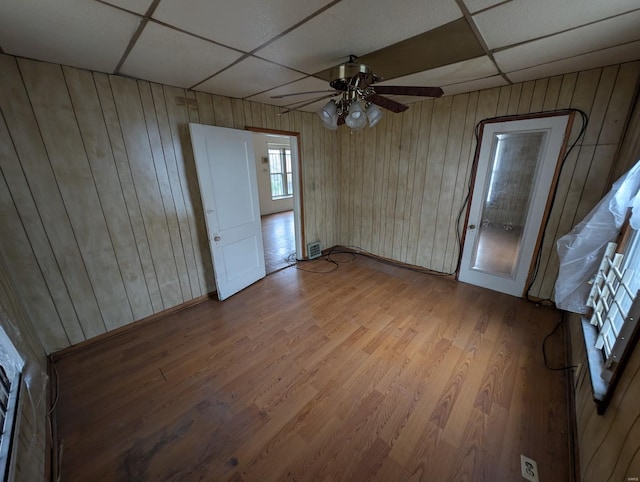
473 85
69 32
523 20
308 84
170 57
601 58
248 77
476 5
608 33
472 69
242 24
138 6
351 28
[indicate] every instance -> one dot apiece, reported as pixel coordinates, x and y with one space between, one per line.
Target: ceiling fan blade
297 105
409 90
300 93
387 103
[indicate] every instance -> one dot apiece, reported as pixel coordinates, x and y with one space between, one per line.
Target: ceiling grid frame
75 32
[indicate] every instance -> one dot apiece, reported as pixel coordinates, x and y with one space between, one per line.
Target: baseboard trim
83 345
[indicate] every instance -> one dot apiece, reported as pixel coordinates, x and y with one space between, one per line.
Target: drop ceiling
256 49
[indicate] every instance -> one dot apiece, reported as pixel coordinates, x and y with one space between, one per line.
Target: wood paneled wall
32 406
99 201
403 183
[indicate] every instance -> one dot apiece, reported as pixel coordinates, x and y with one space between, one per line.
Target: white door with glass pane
228 186
516 169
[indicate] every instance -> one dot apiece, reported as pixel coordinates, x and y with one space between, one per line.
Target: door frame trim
299 200
479 129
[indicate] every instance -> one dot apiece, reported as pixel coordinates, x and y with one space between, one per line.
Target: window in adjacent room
280 171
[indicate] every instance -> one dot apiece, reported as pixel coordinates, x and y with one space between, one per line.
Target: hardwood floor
279 240
368 372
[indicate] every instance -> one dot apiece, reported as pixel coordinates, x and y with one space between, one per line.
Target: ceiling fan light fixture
374 114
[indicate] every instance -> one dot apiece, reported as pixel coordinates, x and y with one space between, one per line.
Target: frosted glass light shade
329 115
374 114
356 119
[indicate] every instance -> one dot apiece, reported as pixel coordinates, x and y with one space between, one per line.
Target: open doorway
275 166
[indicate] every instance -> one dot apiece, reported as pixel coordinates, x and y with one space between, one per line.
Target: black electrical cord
332 268
356 250
544 351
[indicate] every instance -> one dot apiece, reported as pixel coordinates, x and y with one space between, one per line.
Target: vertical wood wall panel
178 120
36 166
433 180
114 131
445 153
552 92
100 200
424 136
186 242
32 285
411 175
145 179
80 204
392 193
166 195
444 226
86 106
20 211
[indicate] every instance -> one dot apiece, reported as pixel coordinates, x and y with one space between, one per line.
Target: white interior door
227 176
516 168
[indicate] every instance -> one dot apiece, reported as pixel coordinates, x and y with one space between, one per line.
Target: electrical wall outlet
529 468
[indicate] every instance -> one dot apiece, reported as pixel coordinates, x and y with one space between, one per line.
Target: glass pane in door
507 196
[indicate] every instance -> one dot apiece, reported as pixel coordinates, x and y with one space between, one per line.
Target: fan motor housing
342 76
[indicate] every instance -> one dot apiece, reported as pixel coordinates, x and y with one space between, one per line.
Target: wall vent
313 250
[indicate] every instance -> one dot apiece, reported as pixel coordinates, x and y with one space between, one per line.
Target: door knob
472 226
216 238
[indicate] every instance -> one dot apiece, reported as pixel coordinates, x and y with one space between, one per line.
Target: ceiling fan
357 99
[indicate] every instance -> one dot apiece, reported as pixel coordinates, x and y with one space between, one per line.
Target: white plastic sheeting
581 250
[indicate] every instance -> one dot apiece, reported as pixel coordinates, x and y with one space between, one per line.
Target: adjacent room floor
366 372
279 240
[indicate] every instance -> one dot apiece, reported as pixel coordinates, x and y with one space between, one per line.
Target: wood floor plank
368 372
